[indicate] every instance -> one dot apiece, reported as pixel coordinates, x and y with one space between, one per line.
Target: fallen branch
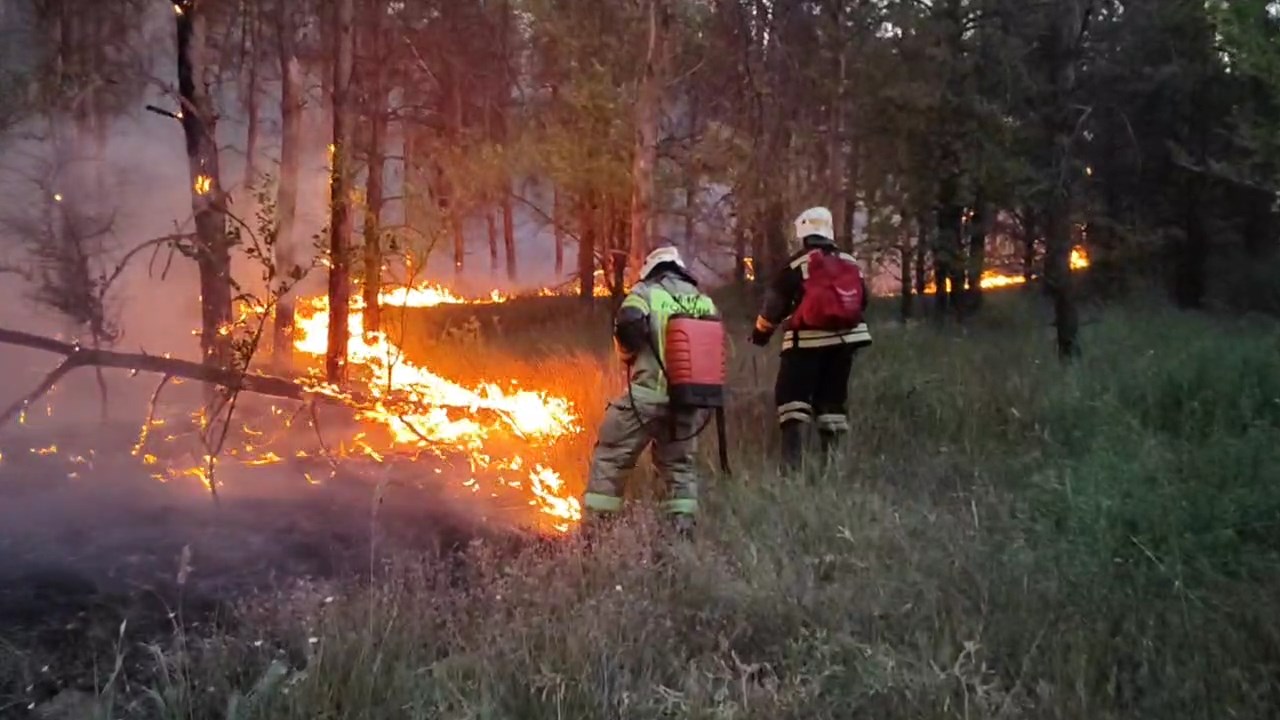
76 356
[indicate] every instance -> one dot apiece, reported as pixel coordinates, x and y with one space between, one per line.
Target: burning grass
1009 539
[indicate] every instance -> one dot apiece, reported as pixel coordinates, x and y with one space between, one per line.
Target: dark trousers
813 389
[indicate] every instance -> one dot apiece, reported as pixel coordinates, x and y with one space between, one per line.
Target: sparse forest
339 277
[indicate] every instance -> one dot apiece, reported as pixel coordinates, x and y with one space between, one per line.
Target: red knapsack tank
832 298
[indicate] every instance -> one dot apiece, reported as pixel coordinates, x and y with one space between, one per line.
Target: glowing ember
420 409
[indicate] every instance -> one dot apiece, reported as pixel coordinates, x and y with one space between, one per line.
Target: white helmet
659 256
815 221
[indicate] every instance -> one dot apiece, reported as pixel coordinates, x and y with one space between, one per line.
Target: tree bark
646 143
372 317
906 298
587 248
213 246
922 249
492 225
979 225
1030 233
1058 279
740 245
1066 33
691 176
250 31
557 222
286 246
509 235
340 196
946 252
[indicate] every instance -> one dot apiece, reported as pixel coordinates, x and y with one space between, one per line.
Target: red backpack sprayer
695 370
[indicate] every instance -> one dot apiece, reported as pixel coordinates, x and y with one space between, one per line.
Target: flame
421 409
203 184
994 280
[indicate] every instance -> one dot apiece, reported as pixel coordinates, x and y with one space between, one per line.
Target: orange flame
413 404
993 280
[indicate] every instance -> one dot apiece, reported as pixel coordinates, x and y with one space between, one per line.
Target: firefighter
641 416
822 296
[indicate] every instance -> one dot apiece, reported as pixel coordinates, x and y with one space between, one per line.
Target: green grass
1006 538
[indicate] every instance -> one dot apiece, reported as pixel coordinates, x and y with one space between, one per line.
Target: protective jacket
643 417
641 327
784 295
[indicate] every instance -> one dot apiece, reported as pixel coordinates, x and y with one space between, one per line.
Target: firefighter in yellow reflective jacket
642 415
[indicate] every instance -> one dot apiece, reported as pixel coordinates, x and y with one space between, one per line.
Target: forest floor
1005 538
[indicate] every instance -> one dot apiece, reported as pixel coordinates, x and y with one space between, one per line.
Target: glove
759 338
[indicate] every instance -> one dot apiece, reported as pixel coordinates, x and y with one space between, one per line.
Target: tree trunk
213 247
1030 233
740 245
922 249
906 300
453 194
691 176
372 317
1062 51
1058 279
251 140
286 247
948 272
775 240
340 196
646 144
1192 250
459 240
557 225
374 200
492 226
977 260
509 234
587 248
251 99
619 227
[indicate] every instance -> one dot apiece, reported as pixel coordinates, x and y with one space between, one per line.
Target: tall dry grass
1004 538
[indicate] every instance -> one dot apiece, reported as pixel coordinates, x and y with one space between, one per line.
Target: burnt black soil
90 541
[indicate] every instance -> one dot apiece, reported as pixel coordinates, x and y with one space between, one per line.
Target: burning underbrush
439 439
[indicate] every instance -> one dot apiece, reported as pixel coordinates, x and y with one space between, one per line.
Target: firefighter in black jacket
822 296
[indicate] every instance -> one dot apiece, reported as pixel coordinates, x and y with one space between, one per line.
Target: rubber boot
683 524
830 443
594 526
792 447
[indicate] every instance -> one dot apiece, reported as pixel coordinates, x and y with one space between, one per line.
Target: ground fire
412 403
504 433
